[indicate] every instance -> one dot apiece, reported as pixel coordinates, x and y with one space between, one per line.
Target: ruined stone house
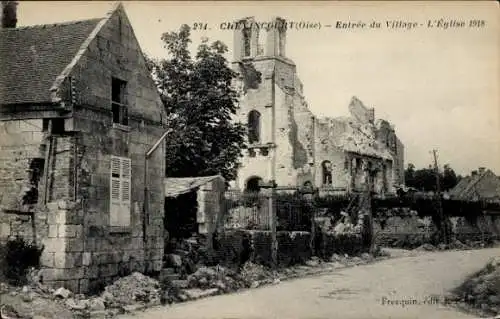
287 142
78 113
481 185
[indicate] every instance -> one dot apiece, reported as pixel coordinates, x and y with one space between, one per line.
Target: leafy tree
450 179
410 175
9 14
425 179
199 97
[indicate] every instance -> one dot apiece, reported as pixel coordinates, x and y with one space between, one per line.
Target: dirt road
396 288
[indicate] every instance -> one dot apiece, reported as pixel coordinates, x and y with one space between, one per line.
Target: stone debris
196 293
62 293
256 273
97 304
8 312
136 288
28 302
454 245
218 277
137 291
77 304
313 262
482 290
426 247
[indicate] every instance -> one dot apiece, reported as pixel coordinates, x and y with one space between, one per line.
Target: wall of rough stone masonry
14 225
303 141
293 125
293 247
299 151
285 134
361 112
386 136
325 150
396 228
210 215
259 99
20 143
55 227
399 165
83 251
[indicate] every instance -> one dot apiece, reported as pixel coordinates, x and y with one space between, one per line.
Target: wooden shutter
120 183
125 191
115 201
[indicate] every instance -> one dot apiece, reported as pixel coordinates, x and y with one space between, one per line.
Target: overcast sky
440 88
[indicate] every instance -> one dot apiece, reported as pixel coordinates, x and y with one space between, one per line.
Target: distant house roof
33 57
461 186
483 186
175 186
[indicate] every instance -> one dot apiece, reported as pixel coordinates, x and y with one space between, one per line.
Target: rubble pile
133 289
218 277
482 290
127 294
187 254
30 302
137 291
255 275
455 245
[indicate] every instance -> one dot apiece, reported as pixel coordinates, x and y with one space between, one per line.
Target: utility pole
444 231
271 187
365 203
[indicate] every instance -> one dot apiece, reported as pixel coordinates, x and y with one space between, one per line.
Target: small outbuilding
193 205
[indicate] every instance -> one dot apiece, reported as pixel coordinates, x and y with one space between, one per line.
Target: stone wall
279 101
110 250
301 142
293 247
82 250
397 228
351 244
256 163
20 214
210 215
21 143
360 112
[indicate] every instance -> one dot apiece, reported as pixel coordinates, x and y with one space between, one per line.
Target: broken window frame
254 129
119 107
326 175
120 191
247 45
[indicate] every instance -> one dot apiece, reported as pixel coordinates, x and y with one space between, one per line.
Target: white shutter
120 183
114 191
125 191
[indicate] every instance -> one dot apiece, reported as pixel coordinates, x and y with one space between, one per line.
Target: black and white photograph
249 159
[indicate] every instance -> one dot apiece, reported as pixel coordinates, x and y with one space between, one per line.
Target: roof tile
32 57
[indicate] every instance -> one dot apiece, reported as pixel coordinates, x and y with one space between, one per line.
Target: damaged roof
357 138
360 144
485 186
33 57
175 186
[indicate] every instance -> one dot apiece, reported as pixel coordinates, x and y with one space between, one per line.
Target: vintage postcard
244 160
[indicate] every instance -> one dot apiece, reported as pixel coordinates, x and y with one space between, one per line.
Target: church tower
269 83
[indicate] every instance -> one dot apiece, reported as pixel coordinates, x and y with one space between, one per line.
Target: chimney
481 170
9 14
